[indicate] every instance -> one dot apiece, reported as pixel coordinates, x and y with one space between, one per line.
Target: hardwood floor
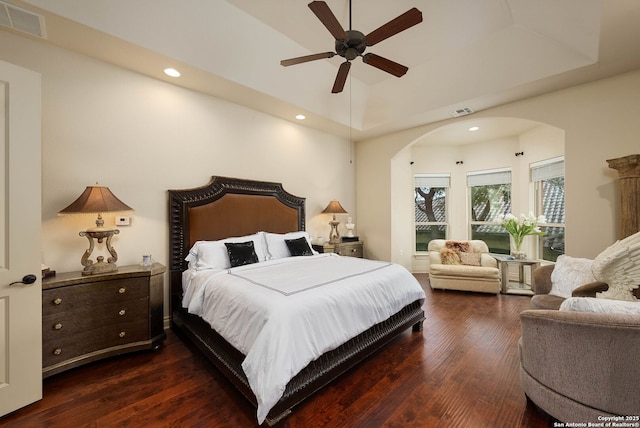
461 371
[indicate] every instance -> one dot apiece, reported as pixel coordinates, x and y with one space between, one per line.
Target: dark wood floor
461 371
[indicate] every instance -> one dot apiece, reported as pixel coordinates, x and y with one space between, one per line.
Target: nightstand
350 249
89 317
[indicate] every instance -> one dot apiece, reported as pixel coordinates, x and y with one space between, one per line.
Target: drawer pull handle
122 312
57 351
353 250
122 290
57 301
57 326
122 334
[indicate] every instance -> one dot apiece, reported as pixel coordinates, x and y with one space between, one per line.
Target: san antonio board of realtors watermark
604 422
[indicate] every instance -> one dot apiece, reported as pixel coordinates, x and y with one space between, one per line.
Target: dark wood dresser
87 318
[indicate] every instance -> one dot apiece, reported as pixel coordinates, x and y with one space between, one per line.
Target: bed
231 207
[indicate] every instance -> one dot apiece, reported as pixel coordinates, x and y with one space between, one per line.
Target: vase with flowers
519 227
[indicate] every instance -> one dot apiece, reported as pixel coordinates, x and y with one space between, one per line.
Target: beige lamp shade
95 200
334 207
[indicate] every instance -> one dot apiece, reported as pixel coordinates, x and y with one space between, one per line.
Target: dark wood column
629 183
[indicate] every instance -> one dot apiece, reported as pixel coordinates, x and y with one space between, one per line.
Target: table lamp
334 208
97 200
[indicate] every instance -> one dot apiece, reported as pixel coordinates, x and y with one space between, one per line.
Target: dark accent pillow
298 247
241 253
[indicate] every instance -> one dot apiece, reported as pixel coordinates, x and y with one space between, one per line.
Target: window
548 179
430 207
490 196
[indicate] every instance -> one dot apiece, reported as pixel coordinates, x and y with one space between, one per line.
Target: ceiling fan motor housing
353 47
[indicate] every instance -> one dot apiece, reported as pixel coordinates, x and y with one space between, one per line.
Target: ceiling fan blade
328 19
406 20
384 64
306 58
341 77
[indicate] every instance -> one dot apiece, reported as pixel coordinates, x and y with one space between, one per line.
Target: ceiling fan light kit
352 44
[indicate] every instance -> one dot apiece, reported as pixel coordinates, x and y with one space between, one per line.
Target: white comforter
282 314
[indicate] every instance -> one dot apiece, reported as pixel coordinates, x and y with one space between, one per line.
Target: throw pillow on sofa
570 273
458 246
449 256
459 253
470 259
603 306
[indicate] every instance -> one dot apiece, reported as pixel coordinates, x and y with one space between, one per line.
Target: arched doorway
454 150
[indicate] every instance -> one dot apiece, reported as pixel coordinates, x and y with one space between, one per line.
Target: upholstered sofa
579 366
473 270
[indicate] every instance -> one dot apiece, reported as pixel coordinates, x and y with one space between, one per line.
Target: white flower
521 226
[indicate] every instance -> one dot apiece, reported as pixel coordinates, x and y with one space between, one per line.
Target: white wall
599 121
400 195
140 137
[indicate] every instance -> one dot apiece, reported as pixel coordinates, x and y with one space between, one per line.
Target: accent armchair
575 365
580 366
463 265
543 299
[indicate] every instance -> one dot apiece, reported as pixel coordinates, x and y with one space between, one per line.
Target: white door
20 223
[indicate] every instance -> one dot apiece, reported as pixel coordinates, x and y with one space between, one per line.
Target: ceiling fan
352 44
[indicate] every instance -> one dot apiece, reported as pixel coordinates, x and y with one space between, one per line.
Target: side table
349 249
520 286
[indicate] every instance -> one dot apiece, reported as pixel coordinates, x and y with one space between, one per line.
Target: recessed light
474 128
171 72
301 117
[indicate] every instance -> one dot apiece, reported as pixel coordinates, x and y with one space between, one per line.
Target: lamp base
91 268
334 236
99 267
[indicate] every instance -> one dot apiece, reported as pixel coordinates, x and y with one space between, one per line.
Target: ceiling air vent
461 112
22 20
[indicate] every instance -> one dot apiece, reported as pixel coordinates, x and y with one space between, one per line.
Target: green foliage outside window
487 203
430 215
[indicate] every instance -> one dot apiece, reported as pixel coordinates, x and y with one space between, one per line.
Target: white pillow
214 255
277 248
604 306
570 273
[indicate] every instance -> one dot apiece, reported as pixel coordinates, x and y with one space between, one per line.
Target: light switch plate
123 220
